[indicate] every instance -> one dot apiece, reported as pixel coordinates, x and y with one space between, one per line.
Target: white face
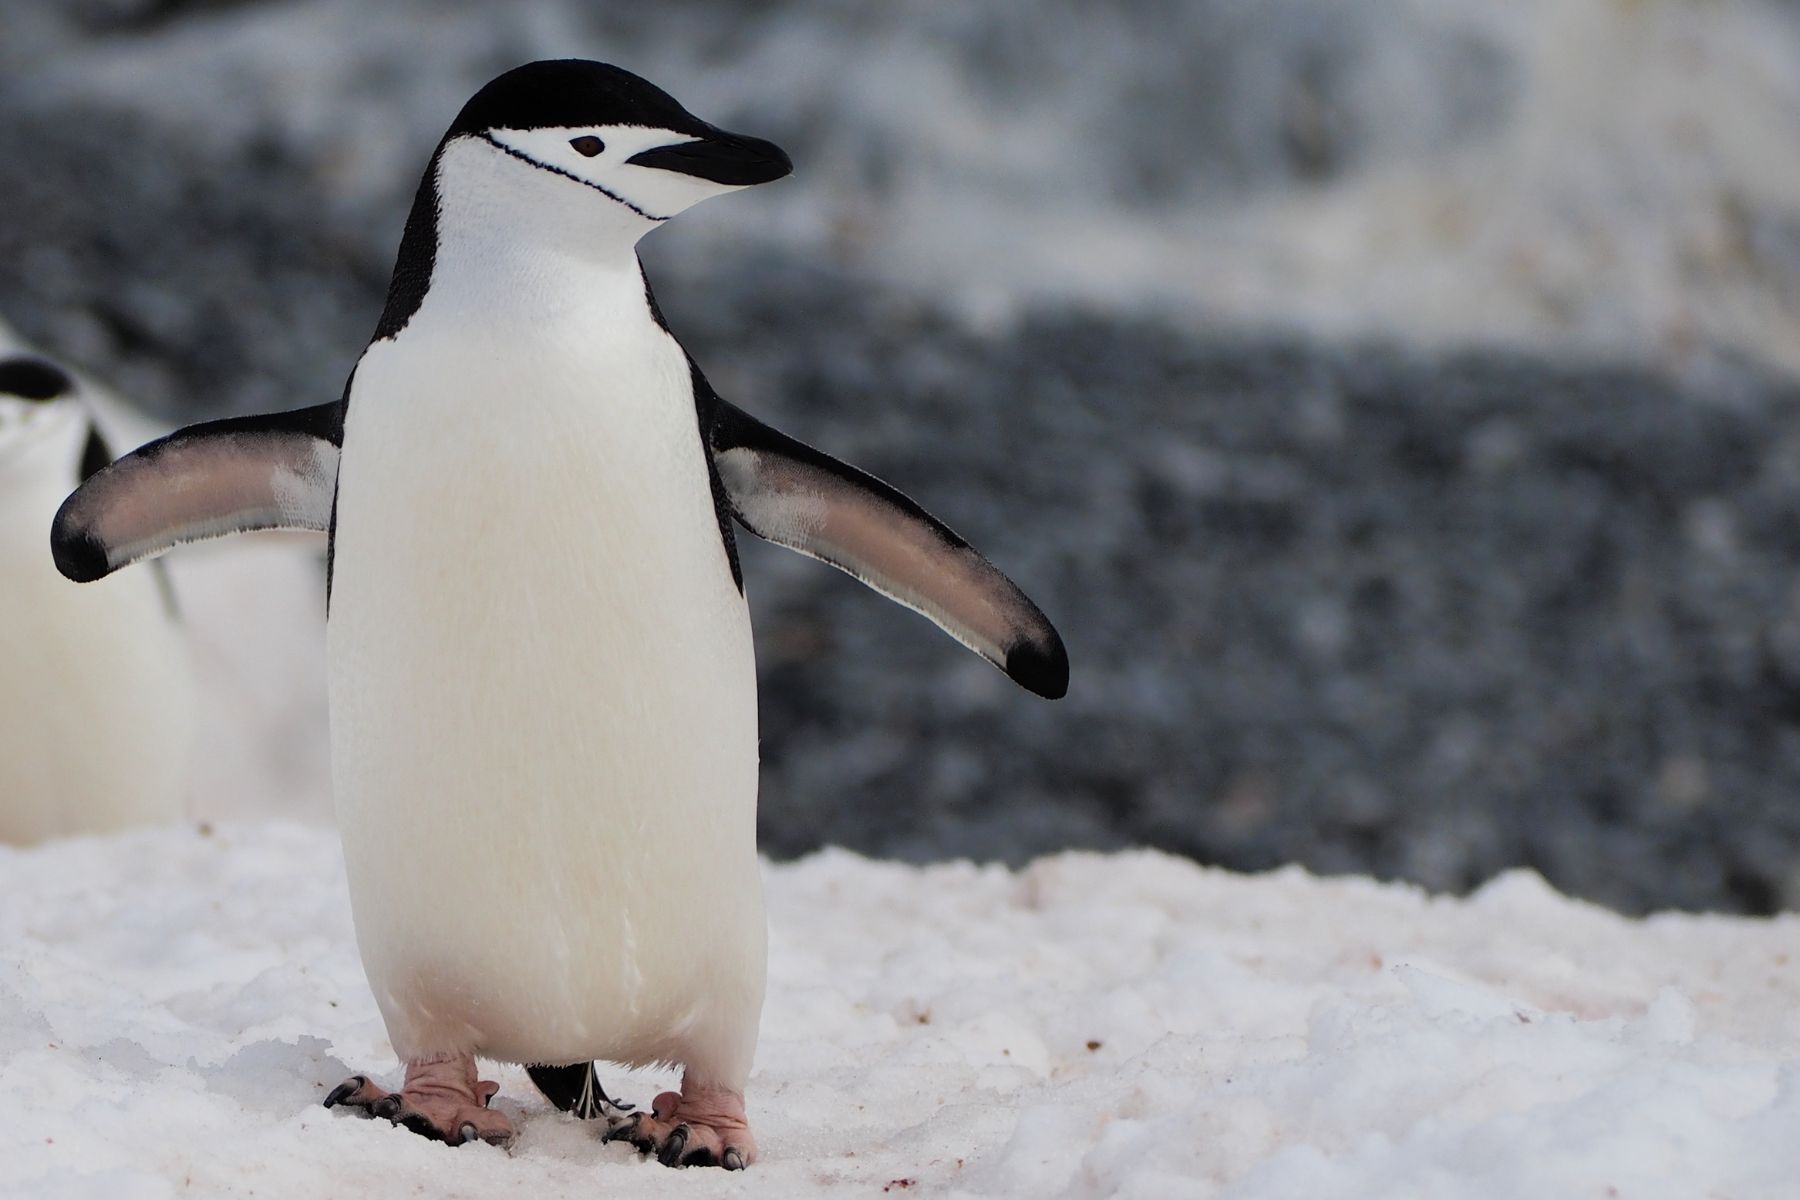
597 156
25 422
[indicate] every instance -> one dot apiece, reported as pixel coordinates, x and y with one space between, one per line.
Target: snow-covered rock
174 1004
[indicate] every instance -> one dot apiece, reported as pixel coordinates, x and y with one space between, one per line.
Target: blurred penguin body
96 682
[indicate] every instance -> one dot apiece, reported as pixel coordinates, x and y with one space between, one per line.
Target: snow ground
174 1004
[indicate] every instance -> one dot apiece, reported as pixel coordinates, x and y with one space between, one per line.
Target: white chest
538 658
524 510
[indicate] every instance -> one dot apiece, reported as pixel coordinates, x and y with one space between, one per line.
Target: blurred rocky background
1393 402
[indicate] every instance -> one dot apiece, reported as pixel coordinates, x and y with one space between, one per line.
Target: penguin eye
587 145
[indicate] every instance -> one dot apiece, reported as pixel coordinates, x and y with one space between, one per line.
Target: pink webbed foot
441 1100
699 1126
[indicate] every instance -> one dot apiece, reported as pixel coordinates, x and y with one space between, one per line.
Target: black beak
727 158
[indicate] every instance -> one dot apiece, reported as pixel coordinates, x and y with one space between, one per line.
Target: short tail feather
576 1089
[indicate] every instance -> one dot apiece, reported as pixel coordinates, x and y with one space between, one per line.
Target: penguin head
30 391
41 417
595 133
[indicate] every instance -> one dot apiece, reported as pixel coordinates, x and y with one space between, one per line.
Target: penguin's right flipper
277 471
96 456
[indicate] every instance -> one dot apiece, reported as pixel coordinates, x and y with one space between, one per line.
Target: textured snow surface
174 1004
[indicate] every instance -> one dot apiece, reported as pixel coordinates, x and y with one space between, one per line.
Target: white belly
543 705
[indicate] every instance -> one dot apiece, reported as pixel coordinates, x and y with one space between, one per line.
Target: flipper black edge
788 493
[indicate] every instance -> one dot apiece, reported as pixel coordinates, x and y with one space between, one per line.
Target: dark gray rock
1334 604
198 283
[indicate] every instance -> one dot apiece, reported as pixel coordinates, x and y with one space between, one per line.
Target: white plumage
542 681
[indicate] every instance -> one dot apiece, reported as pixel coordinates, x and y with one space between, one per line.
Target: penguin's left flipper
265 472
788 493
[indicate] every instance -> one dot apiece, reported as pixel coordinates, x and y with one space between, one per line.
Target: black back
96 455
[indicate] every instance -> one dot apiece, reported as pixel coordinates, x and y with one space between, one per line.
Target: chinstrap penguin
542 687
98 684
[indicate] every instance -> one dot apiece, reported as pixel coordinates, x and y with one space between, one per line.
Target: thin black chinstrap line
544 166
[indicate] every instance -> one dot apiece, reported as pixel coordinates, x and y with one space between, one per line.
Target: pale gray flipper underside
788 493
277 471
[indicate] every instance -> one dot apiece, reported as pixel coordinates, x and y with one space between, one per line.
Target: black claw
733 1160
672 1146
344 1091
607 1101
388 1106
623 1132
418 1123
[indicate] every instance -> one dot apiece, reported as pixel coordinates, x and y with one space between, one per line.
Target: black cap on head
33 378
573 93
